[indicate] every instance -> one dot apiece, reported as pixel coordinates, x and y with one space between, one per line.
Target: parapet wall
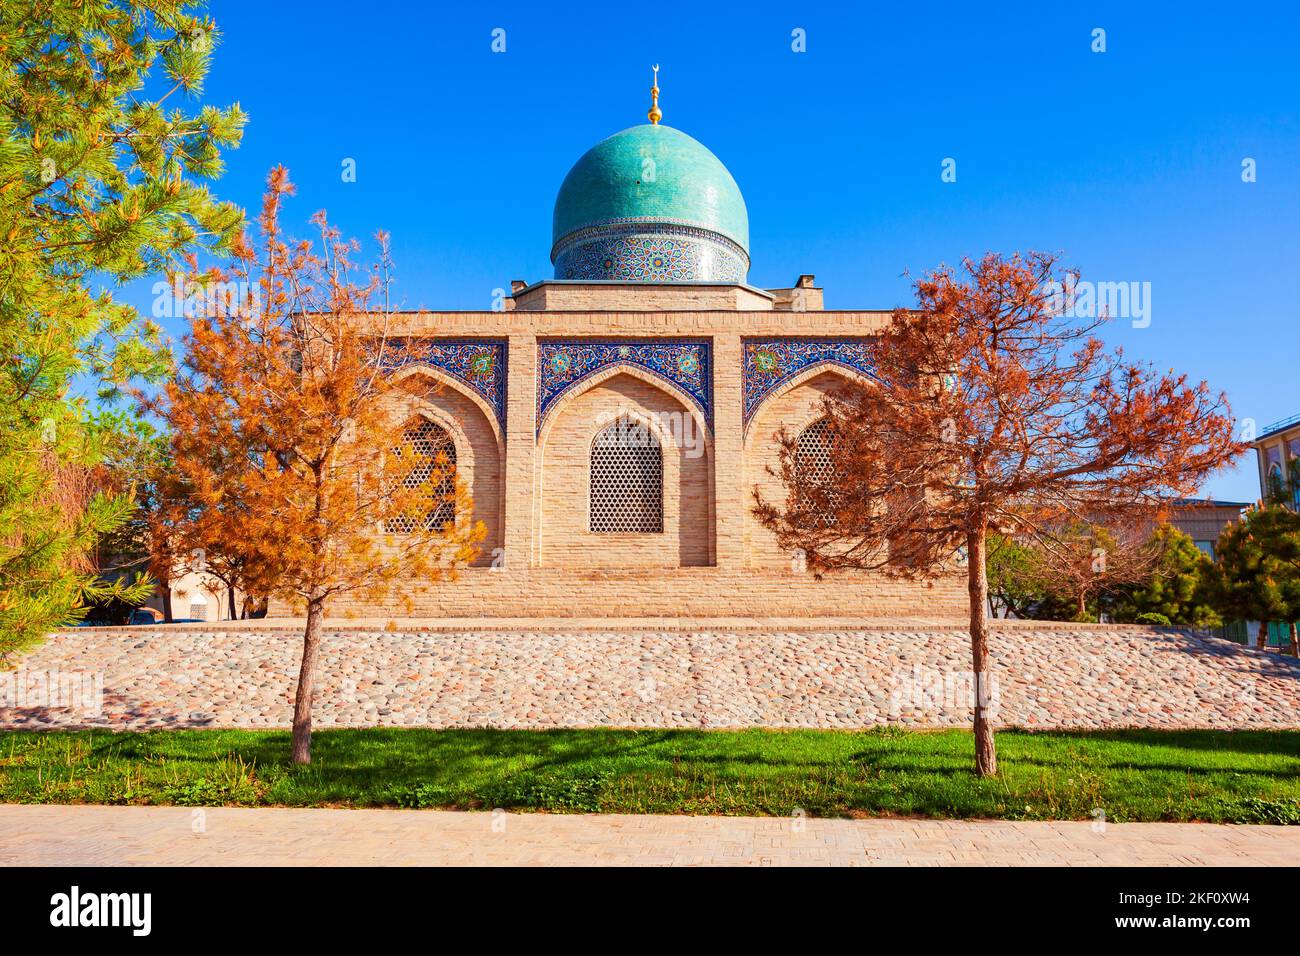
661 593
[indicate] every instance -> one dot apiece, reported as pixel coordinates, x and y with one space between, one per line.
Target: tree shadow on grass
1110 768
374 762
896 772
1265 742
379 760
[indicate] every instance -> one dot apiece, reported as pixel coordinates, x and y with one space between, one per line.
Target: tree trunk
230 602
166 601
1261 636
1295 643
307 681
986 758
1081 608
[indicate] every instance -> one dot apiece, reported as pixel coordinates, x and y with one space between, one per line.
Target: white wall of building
196 596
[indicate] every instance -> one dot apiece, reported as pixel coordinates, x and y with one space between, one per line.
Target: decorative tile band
561 365
767 364
649 252
654 225
480 364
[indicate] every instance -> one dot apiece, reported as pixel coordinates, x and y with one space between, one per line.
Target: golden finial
655 113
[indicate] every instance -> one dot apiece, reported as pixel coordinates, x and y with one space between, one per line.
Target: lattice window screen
430 442
815 468
627 480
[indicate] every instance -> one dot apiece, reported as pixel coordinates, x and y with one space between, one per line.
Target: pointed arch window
434 455
1276 486
815 472
627 480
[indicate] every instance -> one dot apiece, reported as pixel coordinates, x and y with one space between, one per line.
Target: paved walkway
1043 677
114 836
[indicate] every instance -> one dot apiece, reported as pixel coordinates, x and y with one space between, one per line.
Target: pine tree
1016 581
1178 588
1257 570
96 185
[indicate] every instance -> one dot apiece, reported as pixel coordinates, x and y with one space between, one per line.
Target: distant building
1278 456
1203 519
196 597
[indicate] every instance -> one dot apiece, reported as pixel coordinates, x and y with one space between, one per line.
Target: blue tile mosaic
649 252
767 364
480 364
561 365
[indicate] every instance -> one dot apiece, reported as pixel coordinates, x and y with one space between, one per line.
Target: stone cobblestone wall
1049 677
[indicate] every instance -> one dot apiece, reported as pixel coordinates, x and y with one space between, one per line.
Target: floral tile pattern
770 363
478 363
563 364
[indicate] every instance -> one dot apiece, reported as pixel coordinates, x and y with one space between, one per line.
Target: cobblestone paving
226 836
1049 678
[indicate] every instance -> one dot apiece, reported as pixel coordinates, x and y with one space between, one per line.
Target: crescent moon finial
655 114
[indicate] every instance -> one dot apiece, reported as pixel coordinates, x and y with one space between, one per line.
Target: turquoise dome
664 192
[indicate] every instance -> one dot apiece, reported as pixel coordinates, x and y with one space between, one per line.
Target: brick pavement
115 836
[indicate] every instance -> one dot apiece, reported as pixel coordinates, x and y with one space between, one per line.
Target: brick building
612 422
1204 519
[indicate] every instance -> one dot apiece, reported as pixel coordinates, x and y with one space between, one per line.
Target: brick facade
1205 519
530 484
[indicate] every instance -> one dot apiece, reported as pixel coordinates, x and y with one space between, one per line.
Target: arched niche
563 481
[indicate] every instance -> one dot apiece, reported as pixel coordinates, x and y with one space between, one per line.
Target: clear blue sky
1128 162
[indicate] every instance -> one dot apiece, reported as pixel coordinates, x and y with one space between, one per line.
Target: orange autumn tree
1085 559
183 538
286 434
998 412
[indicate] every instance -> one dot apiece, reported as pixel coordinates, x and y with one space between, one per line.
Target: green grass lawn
1248 777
